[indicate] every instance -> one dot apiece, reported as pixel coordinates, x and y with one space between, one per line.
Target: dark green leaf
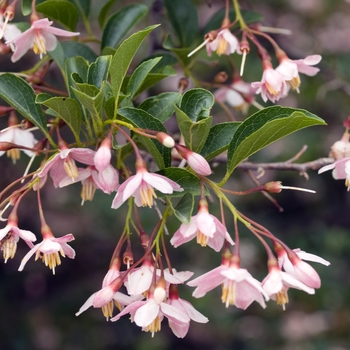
73 49
143 120
138 77
77 65
67 109
122 59
181 53
189 182
83 6
219 137
194 133
26 7
120 23
62 11
263 128
105 12
183 210
20 95
196 104
161 106
98 71
183 17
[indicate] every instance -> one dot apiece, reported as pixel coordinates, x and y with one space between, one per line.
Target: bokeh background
37 309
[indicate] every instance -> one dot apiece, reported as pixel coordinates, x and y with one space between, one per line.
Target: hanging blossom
239 288
290 69
206 227
50 247
341 170
40 37
272 86
141 186
10 235
10 32
225 43
18 137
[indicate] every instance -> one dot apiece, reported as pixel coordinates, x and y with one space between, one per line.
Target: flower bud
165 139
183 84
221 77
159 293
103 155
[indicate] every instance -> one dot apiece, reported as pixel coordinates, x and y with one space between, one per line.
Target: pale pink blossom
49 248
341 170
10 32
141 186
272 85
290 69
63 164
10 235
103 155
198 163
224 43
19 137
149 314
301 270
239 288
179 328
41 37
206 227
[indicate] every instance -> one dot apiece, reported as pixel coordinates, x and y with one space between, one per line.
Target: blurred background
37 308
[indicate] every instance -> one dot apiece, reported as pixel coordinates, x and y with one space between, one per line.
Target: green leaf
98 71
196 104
183 210
77 65
215 22
104 12
194 133
26 7
76 48
138 77
83 6
263 128
181 53
67 109
122 59
161 106
219 138
189 182
120 23
183 17
62 11
20 95
143 120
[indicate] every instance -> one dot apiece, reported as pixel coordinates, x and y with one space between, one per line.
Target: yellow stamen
202 239
70 168
222 46
228 296
88 190
14 154
8 246
282 298
154 326
270 89
39 46
294 83
147 193
107 310
50 259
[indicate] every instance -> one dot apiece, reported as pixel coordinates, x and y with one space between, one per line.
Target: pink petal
83 155
129 309
311 257
174 313
28 256
22 44
86 305
24 234
191 311
180 329
146 314
50 41
158 182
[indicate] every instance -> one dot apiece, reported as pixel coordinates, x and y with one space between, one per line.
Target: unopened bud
144 238
183 84
173 292
211 36
103 155
221 77
347 122
26 124
165 139
159 293
128 258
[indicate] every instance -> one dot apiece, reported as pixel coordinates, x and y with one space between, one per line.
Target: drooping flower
103 155
63 163
10 235
50 247
224 43
141 186
341 170
19 137
41 37
206 227
10 31
179 328
272 85
292 263
239 288
290 69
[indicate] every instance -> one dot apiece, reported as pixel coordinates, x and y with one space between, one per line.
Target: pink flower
179 328
239 288
272 86
206 227
40 36
276 284
63 163
149 314
103 155
141 186
50 247
10 235
19 137
10 32
301 270
109 295
290 69
341 170
224 43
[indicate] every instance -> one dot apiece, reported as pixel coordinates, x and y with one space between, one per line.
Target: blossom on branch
341 170
41 37
224 43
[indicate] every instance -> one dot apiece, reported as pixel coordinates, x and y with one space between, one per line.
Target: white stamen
199 47
28 167
257 105
243 62
275 30
297 189
3 211
4 27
